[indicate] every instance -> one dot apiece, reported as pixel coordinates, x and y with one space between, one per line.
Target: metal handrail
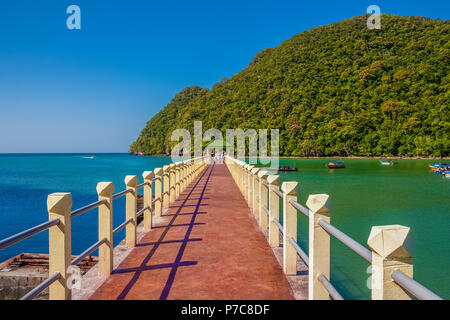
302 254
154 200
265 209
413 287
122 226
27 233
345 239
140 212
88 251
299 207
41 287
278 193
142 185
84 209
277 223
120 194
266 184
329 287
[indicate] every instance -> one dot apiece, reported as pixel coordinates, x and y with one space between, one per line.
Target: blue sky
93 90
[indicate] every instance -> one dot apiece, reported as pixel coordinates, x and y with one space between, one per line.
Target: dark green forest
335 90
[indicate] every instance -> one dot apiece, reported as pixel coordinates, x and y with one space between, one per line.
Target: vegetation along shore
334 90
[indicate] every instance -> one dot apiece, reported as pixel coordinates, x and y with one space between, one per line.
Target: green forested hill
339 89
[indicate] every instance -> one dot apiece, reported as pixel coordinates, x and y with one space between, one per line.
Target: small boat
447 175
285 167
434 166
440 168
439 165
336 165
386 162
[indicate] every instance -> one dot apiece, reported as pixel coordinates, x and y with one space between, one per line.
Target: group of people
217 157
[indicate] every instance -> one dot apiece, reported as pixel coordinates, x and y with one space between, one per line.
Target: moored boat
440 168
285 167
386 162
336 165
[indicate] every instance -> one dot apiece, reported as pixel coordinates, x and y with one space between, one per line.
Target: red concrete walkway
208 248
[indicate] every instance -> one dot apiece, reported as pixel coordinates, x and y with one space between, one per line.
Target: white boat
386 162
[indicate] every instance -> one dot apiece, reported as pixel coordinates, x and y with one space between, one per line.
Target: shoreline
324 157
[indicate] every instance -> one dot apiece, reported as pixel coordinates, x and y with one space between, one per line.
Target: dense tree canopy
340 89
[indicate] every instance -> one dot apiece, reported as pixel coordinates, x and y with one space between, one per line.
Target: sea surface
363 195
27 179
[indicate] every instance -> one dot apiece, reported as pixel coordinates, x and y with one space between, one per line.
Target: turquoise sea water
363 195
367 194
27 179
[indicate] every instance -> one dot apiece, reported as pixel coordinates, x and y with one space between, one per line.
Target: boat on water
91 157
336 165
441 168
285 167
386 162
435 166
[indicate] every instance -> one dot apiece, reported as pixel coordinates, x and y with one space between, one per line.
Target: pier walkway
205 246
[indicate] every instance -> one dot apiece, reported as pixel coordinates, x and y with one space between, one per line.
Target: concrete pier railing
389 255
165 183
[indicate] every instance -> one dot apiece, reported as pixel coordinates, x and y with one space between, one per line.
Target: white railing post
289 227
158 191
249 186
172 179
183 167
166 186
177 169
105 227
319 246
390 251
59 244
255 190
246 190
262 175
148 199
131 206
274 213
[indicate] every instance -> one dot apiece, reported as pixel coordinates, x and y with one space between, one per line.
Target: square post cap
158 171
131 181
147 175
255 170
105 189
59 202
289 188
390 241
263 174
318 203
273 179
